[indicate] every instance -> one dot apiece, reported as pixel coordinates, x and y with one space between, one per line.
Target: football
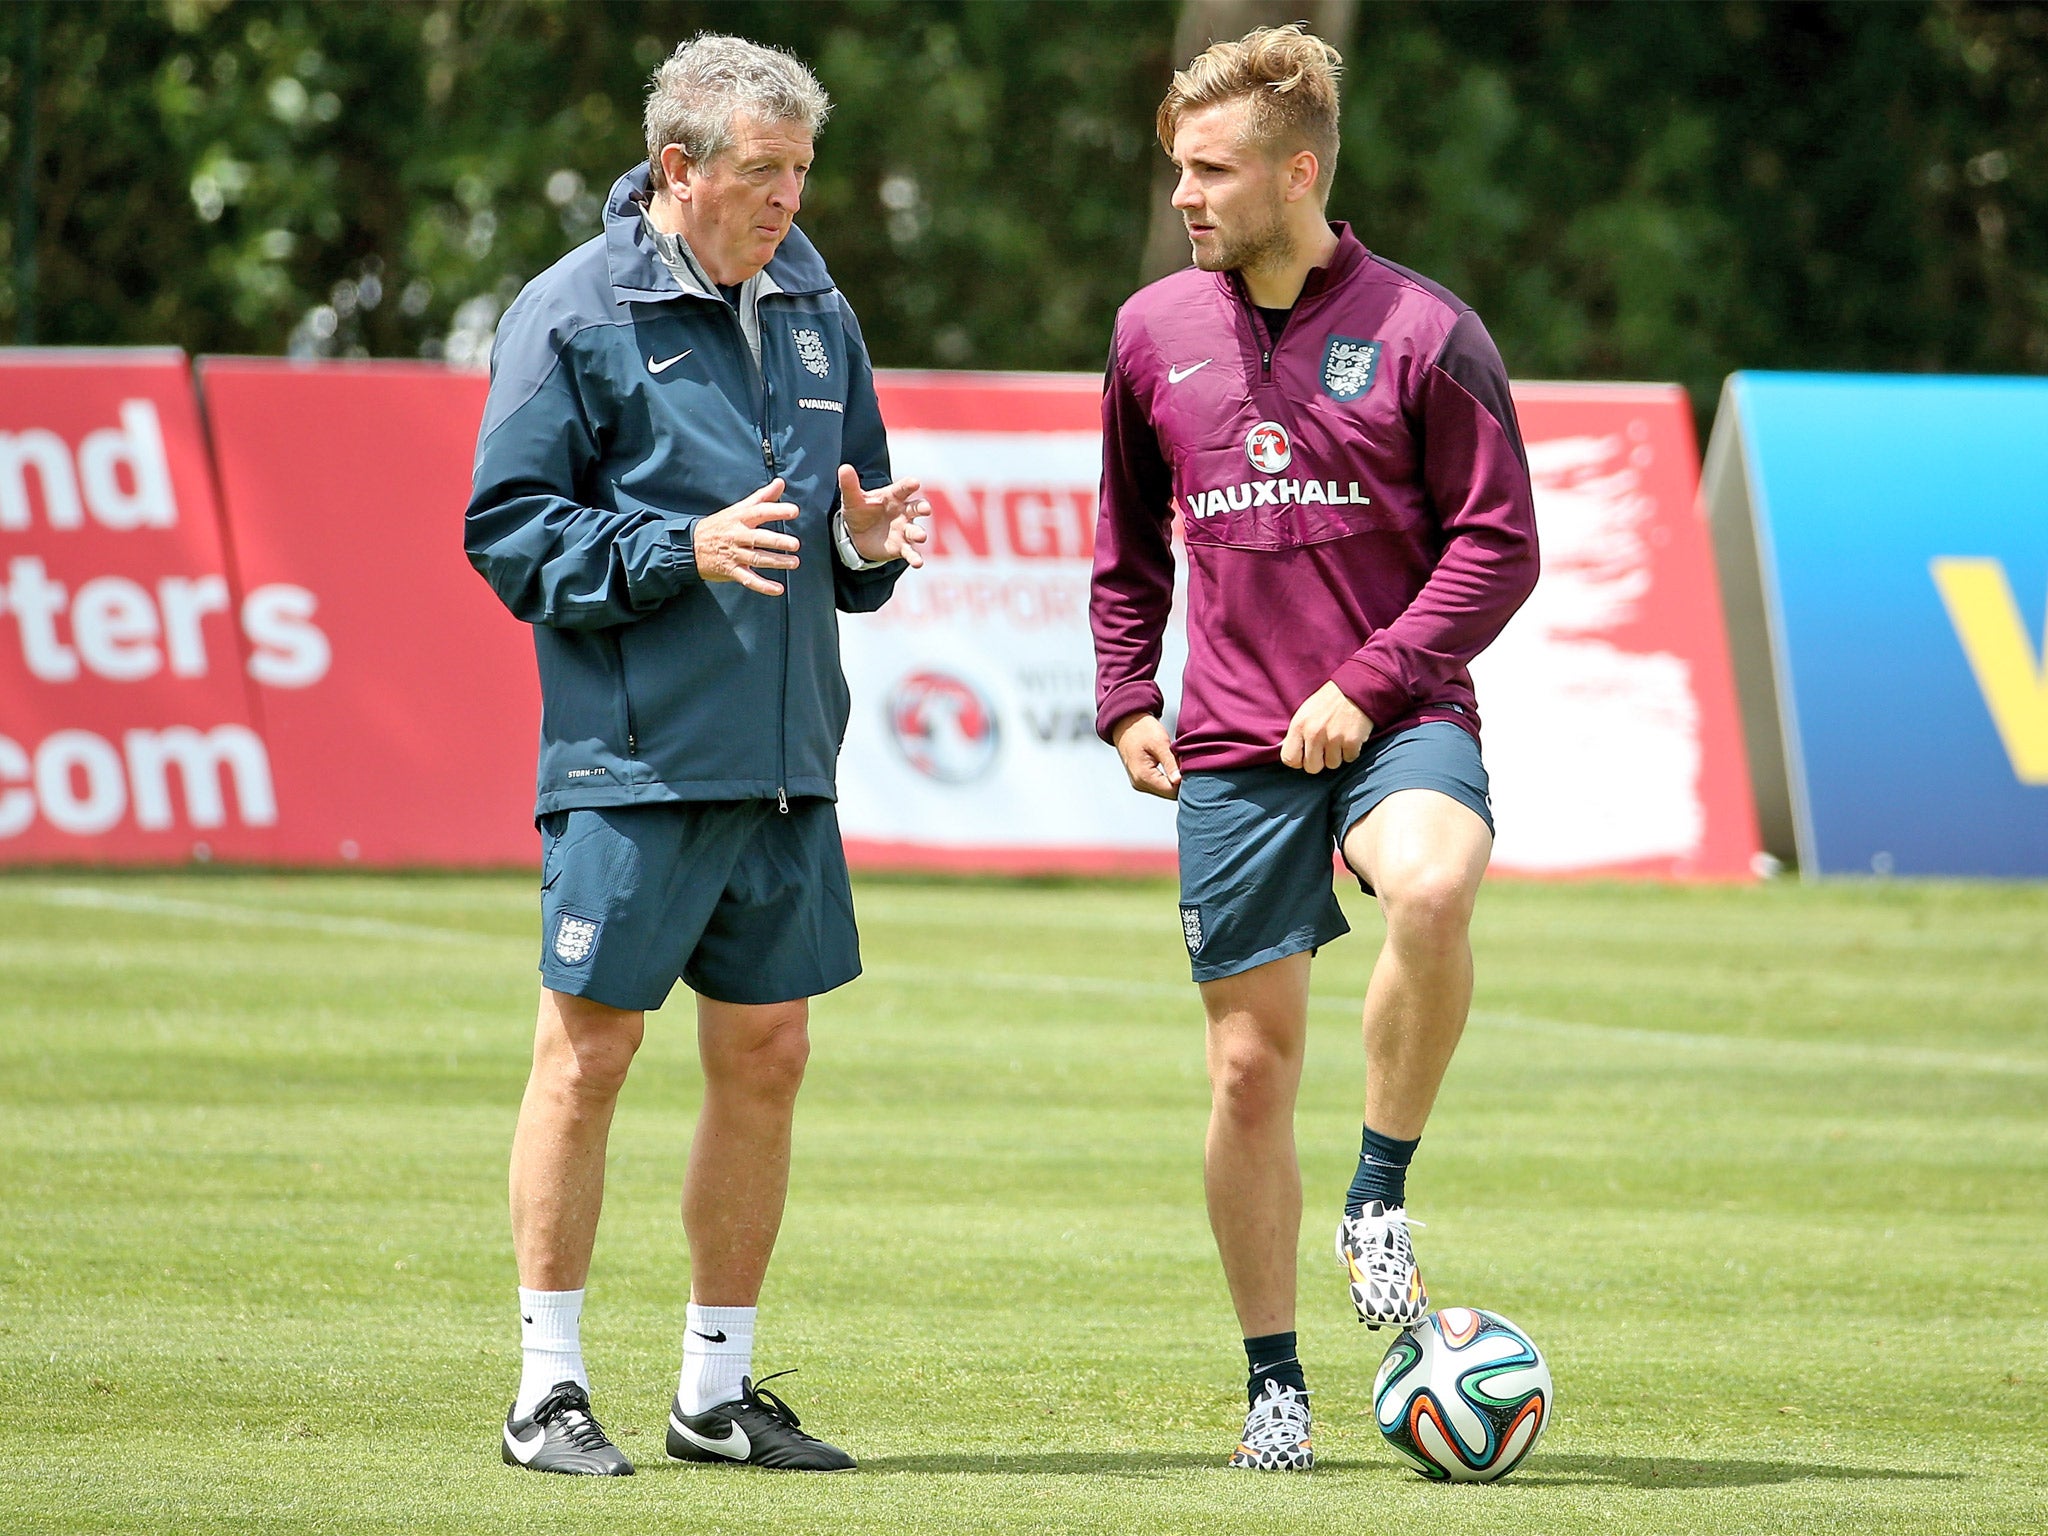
1463 1396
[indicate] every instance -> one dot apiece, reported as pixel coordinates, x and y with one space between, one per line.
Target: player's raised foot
1386 1287
755 1429
561 1435
1276 1432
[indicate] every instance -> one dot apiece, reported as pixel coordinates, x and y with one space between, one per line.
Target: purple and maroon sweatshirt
1355 503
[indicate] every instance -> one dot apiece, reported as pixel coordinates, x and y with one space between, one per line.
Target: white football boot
1386 1287
1276 1432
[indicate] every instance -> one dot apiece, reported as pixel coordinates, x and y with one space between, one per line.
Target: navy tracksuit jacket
623 407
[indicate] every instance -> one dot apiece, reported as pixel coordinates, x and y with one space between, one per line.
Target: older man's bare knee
759 1052
583 1049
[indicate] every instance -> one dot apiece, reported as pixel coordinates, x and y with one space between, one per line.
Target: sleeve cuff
679 554
1134 698
1365 685
656 561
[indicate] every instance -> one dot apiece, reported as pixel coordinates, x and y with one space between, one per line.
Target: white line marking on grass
1828 1053
260 917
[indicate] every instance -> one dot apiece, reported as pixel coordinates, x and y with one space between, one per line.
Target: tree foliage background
1664 191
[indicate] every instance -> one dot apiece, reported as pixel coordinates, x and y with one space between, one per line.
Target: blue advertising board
1897 548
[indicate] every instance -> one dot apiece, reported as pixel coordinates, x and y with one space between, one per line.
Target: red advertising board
398 697
125 730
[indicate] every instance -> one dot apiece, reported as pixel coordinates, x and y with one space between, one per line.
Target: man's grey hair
697 90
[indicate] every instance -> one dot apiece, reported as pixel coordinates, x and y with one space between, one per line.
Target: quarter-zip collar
1349 255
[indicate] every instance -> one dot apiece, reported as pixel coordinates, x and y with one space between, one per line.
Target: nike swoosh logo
654 367
715 1338
1175 375
525 1450
734 1445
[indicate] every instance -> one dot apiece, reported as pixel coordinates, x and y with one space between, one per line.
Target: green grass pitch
1764 1171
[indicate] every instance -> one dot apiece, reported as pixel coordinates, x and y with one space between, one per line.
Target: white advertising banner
972 743
1608 704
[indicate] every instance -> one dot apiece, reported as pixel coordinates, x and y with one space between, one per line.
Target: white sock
551 1345
718 1349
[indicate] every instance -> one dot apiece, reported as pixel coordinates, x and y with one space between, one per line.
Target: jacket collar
638 272
1349 256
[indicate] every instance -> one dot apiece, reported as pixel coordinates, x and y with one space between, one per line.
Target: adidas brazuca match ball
1462 1396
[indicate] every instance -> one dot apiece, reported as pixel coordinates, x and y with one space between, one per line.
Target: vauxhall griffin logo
1267 447
944 727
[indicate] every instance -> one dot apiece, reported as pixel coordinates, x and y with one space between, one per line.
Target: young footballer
1332 436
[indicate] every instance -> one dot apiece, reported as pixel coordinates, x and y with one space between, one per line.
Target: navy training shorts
1255 843
740 901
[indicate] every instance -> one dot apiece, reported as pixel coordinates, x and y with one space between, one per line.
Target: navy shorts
742 902
1255 843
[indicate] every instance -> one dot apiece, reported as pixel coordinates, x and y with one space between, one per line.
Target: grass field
1764 1171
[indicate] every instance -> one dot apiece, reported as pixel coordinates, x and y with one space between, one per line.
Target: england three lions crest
1348 367
810 351
575 938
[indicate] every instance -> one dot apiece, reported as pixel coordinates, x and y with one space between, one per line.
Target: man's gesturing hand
1326 732
733 546
883 524
1141 741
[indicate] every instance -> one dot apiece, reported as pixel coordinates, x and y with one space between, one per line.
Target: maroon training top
1355 503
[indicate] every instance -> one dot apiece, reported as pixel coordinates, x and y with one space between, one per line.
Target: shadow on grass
1542 1472
1045 1463
1686 1472
1089 1463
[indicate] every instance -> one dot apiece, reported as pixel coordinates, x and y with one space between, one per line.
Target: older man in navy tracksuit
681 476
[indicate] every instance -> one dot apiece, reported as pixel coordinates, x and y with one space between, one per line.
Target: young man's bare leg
1425 854
736 1184
1258 1029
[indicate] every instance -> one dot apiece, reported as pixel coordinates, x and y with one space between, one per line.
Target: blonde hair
1288 76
